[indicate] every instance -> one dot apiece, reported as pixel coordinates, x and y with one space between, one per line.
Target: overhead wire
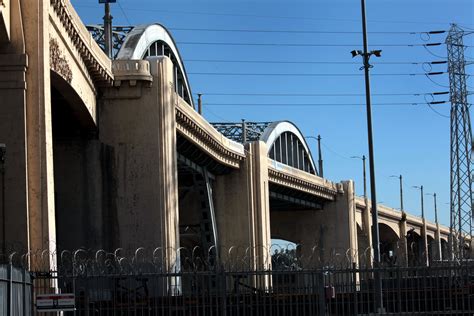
123 12
312 74
299 31
310 62
319 94
301 44
318 104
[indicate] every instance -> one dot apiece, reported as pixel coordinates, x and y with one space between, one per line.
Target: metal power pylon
461 147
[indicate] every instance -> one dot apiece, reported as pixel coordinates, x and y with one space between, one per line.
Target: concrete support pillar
26 126
14 236
366 227
424 246
438 255
138 131
243 210
402 250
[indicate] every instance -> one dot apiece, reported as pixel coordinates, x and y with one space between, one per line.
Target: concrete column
14 202
438 255
424 246
26 124
367 221
39 128
402 251
138 131
260 234
243 210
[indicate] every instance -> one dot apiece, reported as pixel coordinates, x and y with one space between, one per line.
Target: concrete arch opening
444 249
389 241
414 248
432 251
77 182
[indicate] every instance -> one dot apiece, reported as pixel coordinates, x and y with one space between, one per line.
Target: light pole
424 239
375 221
435 206
320 154
437 236
401 190
422 203
363 173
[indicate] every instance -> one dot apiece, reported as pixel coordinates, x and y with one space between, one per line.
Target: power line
310 74
322 104
123 12
319 94
297 31
311 62
303 44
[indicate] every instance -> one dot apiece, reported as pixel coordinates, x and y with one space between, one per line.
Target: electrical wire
319 104
297 31
318 94
311 62
123 12
302 44
310 74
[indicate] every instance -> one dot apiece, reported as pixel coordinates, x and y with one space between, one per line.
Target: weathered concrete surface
138 124
326 234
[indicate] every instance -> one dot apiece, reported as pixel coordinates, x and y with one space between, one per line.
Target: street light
320 154
401 190
422 204
363 172
435 207
375 220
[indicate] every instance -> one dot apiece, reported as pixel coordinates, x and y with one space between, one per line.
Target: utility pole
375 221
320 158
461 226
108 27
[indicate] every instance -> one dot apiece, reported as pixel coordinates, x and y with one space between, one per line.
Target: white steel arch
276 129
139 40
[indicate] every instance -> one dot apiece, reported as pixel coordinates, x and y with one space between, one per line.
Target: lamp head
356 53
377 53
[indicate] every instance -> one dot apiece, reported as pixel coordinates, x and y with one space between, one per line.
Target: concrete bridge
107 153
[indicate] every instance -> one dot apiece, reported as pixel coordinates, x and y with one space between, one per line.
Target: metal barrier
144 283
15 291
141 290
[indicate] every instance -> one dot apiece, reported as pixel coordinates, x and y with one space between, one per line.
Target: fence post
354 288
9 288
322 294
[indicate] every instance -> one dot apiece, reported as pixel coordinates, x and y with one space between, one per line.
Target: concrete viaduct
105 153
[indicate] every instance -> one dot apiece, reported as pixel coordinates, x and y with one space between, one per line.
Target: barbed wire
87 262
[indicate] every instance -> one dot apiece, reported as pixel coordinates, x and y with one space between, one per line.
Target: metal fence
111 284
15 291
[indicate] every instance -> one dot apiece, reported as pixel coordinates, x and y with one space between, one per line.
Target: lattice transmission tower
461 147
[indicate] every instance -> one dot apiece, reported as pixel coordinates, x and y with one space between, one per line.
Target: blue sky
410 138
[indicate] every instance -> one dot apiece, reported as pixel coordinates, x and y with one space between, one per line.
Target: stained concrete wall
243 209
326 234
138 124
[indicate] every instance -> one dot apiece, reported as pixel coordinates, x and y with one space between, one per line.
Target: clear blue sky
409 139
